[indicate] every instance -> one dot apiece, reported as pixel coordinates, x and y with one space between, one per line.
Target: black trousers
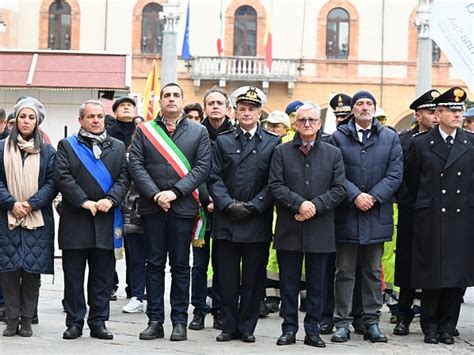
21 291
101 264
405 303
290 263
440 310
241 317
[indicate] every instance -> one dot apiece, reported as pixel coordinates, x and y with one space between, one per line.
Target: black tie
365 135
449 141
246 140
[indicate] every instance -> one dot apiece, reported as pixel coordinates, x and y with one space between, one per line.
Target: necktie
305 148
449 141
365 135
246 139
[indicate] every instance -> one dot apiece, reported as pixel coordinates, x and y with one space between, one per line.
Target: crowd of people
281 216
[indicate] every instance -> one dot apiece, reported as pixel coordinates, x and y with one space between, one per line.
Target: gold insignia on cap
251 94
458 93
339 101
434 94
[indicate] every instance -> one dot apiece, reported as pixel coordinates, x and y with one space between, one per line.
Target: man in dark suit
242 223
425 120
439 175
90 224
307 181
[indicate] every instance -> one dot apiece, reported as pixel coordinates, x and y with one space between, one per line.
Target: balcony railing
243 69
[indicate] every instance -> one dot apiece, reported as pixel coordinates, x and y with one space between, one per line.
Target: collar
358 128
257 130
444 134
252 131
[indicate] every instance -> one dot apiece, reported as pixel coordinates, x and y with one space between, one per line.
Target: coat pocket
424 203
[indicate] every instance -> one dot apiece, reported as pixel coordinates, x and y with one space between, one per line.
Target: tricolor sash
100 173
173 155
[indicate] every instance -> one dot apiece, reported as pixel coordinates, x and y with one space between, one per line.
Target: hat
278 117
362 95
379 112
293 106
341 104
469 114
33 104
249 94
122 99
452 99
425 101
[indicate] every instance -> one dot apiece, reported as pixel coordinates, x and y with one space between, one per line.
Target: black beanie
362 95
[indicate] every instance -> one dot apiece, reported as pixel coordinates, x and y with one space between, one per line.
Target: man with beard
91 174
425 120
439 175
374 167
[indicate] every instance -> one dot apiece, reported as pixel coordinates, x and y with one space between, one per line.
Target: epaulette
420 133
226 132
405 131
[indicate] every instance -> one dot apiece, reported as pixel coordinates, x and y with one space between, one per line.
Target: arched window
59 28
245 31
152 29
435 52
337 36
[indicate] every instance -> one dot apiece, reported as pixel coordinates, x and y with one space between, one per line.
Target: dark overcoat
78 229
152 173
295 178
376 168
242 175
441 181
31 250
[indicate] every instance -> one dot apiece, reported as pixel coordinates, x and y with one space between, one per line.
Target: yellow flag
152 94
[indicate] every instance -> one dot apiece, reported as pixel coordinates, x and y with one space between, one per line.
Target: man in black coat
439 175
307 181
242 223
425 120
86 225
169 159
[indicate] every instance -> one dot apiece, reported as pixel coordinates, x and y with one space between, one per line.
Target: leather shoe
287 338
341 335
72 332
326 328
446 338
431 338
374 334
101 332
198 321
456 332
248 338
263 309
179 332
402 328
227 336
153 331
314 340
359 328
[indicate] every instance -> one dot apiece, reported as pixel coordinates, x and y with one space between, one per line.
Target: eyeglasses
304 120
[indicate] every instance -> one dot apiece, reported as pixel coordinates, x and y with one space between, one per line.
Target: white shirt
445 135
359 133
252 131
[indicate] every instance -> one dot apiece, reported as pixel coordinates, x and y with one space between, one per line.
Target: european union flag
185 51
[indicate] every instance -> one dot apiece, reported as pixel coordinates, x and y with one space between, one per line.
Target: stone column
169 53
424 48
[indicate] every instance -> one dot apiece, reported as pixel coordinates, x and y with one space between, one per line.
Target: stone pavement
47 337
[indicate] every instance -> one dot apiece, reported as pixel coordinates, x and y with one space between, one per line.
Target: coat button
441 174
237 151
458 210
363 152
443 210
307 165
459 173
306 182
458 191
254 151
432 142
443 191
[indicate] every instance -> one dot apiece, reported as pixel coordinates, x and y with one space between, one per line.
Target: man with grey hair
374 166
91 174
307 182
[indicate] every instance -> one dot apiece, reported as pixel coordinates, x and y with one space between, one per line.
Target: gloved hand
250 206
236 211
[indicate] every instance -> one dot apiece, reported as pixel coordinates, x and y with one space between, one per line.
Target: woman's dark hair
36 135
194 107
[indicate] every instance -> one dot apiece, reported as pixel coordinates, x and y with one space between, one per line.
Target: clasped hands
306 211
364 201
164 199
239 210
103 205
21 209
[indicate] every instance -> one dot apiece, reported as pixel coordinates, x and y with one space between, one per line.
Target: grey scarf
95 139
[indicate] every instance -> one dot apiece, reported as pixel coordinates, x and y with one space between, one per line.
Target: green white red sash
168 149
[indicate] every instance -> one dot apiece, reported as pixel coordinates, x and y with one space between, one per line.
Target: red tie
305 149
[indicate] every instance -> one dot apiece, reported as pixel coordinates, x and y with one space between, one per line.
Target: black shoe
431 338
263 310
273 306
446 338
341 335
302 304
326 328
12 328
25 330
217 320
287 338
227 336
153 331
402 328
113 296
101 332
72 332
456 332
179 332
374 334
198 321
314 340
248 338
